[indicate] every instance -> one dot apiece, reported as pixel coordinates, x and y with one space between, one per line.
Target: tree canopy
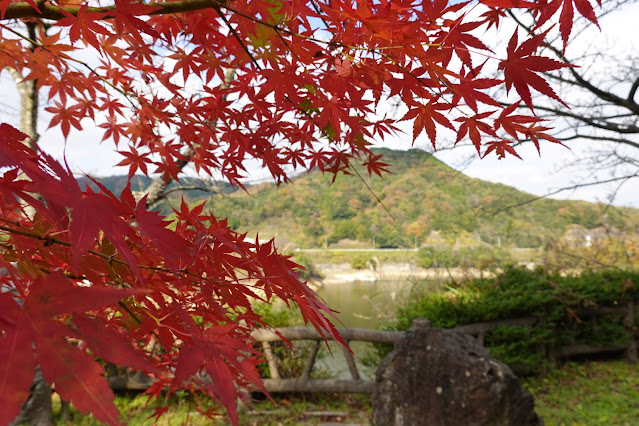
602 107
213 84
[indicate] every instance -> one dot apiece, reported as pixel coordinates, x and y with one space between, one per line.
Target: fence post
350 361
310 361
420 323
629 322
270 359
548 349
481 337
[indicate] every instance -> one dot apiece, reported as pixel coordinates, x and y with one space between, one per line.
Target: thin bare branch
601 138
564 189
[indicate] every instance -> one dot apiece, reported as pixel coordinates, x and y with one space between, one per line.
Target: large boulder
441 377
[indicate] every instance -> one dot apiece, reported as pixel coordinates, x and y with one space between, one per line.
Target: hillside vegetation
423 202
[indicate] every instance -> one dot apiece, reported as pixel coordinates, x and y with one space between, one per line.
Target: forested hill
422 195
427 202
139 183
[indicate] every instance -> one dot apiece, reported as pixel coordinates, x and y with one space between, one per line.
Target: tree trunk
37 411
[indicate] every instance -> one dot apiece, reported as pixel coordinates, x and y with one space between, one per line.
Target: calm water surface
368 304
363 304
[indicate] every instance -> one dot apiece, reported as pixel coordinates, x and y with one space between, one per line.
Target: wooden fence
304 383
356 384
122 379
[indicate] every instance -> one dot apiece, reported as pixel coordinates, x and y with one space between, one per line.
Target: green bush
466 257
359 261
519 292
305 261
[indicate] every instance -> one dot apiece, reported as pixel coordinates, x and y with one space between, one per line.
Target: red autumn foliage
94 274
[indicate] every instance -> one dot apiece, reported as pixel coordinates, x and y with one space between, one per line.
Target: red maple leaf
567 14
425 118
501 147
84 26
125 18
110 345
373 165
77 376
473 126
521 66
66 117
17 358
536 132
470 88
134 159
514 124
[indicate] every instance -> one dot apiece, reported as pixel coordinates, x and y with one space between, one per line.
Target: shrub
359 261
519 292
465 257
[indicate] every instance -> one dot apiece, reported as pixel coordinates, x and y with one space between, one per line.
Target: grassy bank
594 393
361 257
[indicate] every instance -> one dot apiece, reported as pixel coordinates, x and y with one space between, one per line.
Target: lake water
363 304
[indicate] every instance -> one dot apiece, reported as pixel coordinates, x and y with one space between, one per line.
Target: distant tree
212 84
599 90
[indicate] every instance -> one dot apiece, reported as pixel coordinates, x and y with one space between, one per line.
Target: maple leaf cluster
214 83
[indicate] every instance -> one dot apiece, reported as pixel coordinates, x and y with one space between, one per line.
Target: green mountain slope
423 201
139 183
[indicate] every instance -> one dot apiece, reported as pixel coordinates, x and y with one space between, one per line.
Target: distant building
578 236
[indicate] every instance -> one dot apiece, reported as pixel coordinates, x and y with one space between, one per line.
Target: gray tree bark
37 409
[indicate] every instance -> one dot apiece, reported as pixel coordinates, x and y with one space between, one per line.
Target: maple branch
109 258
28 90
48 11
156 191
210 189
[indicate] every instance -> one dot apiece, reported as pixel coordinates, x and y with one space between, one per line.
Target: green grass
290 410
594 393
384 256
525 254
404 256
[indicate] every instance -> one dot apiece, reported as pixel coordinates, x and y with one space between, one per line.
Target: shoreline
340 273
